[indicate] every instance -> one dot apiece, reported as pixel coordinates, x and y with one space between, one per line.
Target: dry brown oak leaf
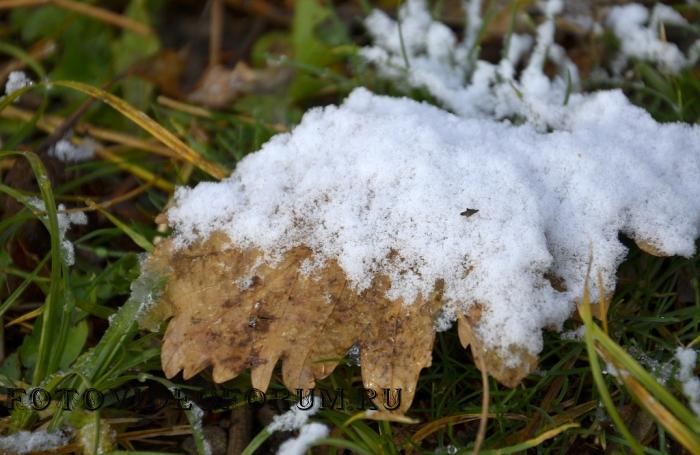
307 322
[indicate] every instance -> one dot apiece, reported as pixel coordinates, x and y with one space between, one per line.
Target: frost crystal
17 80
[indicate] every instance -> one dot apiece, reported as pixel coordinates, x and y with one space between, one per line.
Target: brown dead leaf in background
164 70
219 85
229 312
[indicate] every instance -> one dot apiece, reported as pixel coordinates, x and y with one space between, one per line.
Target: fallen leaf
507 374
219 85
233 314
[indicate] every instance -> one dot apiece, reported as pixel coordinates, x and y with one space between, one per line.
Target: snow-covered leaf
351 229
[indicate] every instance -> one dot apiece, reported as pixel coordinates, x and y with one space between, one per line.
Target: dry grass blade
148 124
584 309
380 416
199 111
443 422
675 427
49 124
109 202
534 442
136 170
191 109
483 419
94 12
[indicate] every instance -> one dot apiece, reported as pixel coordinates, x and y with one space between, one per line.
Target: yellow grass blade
148 124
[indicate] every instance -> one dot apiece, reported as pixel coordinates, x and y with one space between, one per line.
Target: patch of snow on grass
68 152
574 335
295 418
639 33
440 63
24 442
16 80
687 358
65 221
308 434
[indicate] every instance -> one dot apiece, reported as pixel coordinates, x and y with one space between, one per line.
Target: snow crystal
17 80
65 221
68 152
295 418
687 357
376 175
638 32
308 434
24 442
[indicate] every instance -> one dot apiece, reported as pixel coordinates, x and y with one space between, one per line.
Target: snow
16 80
68 152
638 32
65 221
196 420
687 357
577 334
295 418
491 90
25 442
473 88
308 434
